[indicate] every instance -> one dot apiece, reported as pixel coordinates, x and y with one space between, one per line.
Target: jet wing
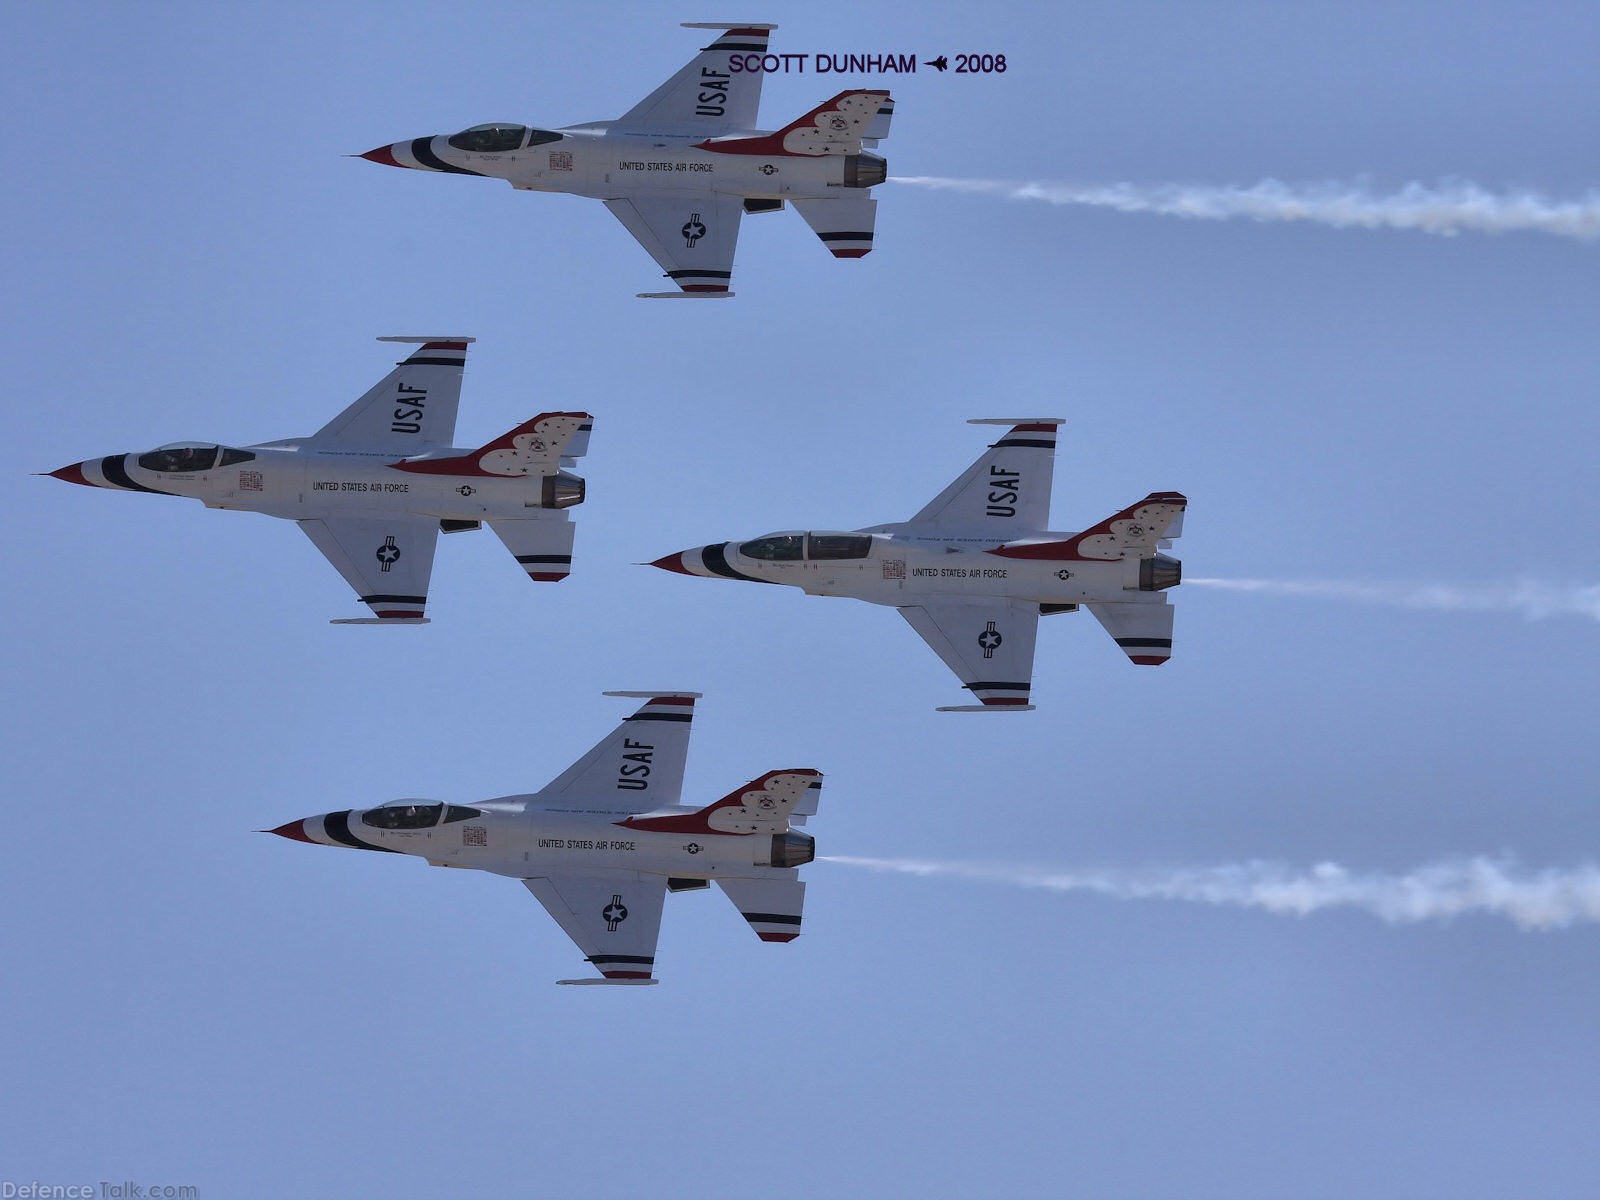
636 767
613 916
387 559
1007 489
988 644
692 235
412 407
706 96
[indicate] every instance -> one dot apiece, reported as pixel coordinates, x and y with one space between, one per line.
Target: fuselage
602 160
525 836
300 482
907 564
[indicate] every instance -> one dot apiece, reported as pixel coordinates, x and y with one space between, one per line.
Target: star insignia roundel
614 913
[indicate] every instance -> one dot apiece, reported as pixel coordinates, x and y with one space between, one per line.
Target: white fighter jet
681 167
602 845
976 568
375 486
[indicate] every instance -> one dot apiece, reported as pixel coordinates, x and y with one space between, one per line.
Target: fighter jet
975 569
603 843
375 486
681 167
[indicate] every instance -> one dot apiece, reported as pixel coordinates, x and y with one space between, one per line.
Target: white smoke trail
1528 598
1547 899
1447 209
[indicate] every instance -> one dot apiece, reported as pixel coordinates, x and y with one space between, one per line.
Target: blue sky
190 257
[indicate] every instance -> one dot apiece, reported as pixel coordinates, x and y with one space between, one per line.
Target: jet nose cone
384 155
294 831
674 562
72 474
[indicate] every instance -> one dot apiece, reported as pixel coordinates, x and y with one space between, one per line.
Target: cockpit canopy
416 814
814 546
189 457
500 138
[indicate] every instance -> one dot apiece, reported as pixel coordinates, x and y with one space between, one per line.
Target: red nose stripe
294 831
672 562
72 474
382 155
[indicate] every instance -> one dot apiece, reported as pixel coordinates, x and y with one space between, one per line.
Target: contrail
1552 898
1447 209
1528 598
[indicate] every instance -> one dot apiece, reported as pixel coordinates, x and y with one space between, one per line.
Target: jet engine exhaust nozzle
865 170
561 490
1159 572
792 849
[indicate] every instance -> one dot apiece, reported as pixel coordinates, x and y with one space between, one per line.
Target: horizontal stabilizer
844 223
423 341
773 907
1144 631
542 547
684 295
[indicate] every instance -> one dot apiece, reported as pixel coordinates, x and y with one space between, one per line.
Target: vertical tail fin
835 126
878 128
536 447
1135 532
763 805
